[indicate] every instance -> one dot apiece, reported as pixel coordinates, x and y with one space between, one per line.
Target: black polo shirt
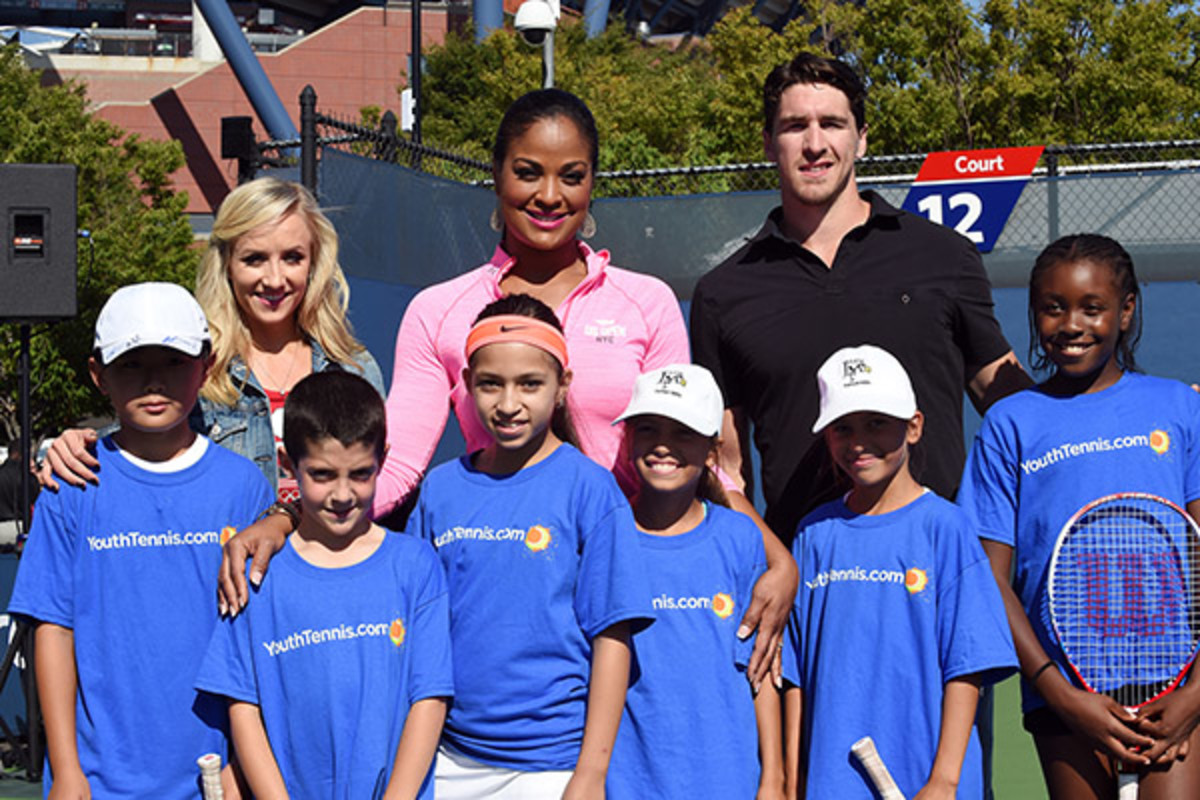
767 318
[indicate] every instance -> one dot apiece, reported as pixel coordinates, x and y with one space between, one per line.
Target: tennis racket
1122 588
210 776
864 750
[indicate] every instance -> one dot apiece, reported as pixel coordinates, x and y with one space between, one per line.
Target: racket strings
1123 588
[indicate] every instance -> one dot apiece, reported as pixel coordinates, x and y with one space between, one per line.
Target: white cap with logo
863 378
147 314
686 393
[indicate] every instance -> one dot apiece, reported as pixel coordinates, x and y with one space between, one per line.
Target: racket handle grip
864 750
210 776
1127 786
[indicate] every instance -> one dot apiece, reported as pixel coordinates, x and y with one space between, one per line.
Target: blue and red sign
972 191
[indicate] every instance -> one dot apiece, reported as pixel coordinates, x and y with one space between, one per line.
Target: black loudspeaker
37 252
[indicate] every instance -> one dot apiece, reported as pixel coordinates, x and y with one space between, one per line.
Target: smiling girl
706 735
276 298
545 576
1094 427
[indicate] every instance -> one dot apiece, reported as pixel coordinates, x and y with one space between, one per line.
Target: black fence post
308 138
385 148
1052 193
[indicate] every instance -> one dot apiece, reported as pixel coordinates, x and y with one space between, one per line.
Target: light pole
535 21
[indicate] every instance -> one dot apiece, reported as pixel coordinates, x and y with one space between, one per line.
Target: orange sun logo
227 533
1160 442
537 538
396 632
915 580
722 605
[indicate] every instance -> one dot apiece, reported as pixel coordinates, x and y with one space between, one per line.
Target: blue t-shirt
131 566
538 563
1038 459
890 608
334 658
689 730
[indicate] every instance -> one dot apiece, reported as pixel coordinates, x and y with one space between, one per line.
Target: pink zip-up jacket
618 325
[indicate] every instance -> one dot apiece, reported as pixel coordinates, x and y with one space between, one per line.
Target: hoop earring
588 229
495 222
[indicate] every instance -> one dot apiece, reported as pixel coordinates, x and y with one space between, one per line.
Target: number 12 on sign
972 191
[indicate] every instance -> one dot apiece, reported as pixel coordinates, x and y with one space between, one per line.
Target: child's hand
70 785
937 789
1104 722
1171 721
585 787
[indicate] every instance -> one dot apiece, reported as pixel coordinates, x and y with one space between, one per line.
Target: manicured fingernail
778 682
743 631
255 577
222 608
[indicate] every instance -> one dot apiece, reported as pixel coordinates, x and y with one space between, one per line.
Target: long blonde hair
322 312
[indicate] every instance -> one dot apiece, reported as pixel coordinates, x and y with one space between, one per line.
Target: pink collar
501 262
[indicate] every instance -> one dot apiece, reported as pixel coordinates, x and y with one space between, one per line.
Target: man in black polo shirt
832 268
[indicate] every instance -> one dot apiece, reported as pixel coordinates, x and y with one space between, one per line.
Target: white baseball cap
146 314
863 378
686 393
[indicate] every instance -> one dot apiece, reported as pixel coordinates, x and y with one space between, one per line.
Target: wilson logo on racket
915 580
538 538
722 605
1160 441
1122 590
396 631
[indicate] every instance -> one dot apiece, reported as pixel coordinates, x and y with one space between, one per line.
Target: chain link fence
678 222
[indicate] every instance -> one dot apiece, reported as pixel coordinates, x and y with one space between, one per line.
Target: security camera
535 19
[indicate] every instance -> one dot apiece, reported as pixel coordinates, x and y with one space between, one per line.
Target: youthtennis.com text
1101 444
312 636
859 574
134 539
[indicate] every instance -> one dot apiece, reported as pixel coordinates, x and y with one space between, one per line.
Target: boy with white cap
692 727
898 620
119 577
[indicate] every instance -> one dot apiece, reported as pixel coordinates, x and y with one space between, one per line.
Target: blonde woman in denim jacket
276 299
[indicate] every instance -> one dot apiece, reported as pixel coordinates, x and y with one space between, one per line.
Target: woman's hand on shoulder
261 541
70 458
770 605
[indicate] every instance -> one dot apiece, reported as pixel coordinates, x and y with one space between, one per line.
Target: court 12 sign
972 191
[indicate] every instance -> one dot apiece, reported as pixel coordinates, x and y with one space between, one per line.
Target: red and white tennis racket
864 750
1122 586
210 776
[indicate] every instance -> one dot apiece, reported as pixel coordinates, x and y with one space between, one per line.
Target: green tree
941 74
137 223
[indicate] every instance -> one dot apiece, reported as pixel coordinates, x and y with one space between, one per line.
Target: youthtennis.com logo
394 630
720 603
130 540
536 537
1158 440
860 575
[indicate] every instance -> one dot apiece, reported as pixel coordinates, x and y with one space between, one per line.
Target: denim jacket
245 428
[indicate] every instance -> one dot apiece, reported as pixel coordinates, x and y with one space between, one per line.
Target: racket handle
864 750
1127 786
210 776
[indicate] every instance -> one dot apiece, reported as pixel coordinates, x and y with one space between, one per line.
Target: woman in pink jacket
618 325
